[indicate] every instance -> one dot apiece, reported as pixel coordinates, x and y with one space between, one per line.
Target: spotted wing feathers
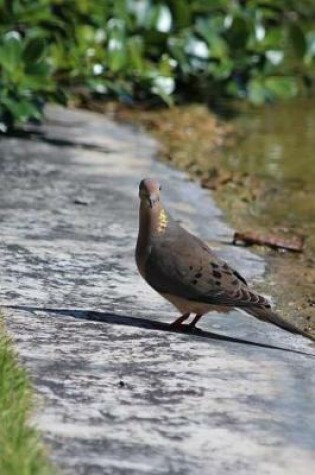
180 264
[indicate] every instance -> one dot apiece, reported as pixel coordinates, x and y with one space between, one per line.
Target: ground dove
185 271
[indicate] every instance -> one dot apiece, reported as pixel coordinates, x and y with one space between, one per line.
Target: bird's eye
160 188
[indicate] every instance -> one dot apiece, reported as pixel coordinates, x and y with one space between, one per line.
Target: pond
278 144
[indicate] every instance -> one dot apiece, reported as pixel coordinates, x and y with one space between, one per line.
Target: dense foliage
259 50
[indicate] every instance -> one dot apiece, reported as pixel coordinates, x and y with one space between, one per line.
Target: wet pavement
118 392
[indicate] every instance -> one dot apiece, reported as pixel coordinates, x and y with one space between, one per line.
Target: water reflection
278 143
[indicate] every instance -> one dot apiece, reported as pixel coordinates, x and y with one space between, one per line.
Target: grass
21 452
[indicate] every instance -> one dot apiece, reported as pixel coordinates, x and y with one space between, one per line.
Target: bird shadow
147 324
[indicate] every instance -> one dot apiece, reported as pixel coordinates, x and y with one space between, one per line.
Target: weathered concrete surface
121 395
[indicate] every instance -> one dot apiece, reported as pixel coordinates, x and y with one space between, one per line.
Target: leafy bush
259 50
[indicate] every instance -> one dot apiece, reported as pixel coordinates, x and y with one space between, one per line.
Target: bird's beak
154 198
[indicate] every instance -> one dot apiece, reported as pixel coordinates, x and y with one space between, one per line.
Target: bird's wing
184 266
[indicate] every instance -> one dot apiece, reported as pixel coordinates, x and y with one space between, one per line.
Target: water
278 144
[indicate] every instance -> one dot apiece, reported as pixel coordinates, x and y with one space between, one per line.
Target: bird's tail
268 315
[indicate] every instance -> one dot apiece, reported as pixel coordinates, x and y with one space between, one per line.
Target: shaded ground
120 393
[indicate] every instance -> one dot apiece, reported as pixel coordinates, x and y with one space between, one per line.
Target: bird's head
149 192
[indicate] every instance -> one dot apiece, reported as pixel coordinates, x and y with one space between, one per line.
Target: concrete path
120 394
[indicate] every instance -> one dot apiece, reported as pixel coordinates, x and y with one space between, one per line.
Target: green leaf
218 47
135 49
274 39
237 32
22 109
182 13
10 52
310 54
159 91
166 66
116 46
282 87
298 40
34 50
256 91
176 48
41 69
221 70
160 18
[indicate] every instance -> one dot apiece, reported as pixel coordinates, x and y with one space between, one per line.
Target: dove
185 271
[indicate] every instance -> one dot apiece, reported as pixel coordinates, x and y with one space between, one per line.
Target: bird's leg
178 322
195 321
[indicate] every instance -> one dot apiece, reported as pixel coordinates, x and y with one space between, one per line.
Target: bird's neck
152 222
